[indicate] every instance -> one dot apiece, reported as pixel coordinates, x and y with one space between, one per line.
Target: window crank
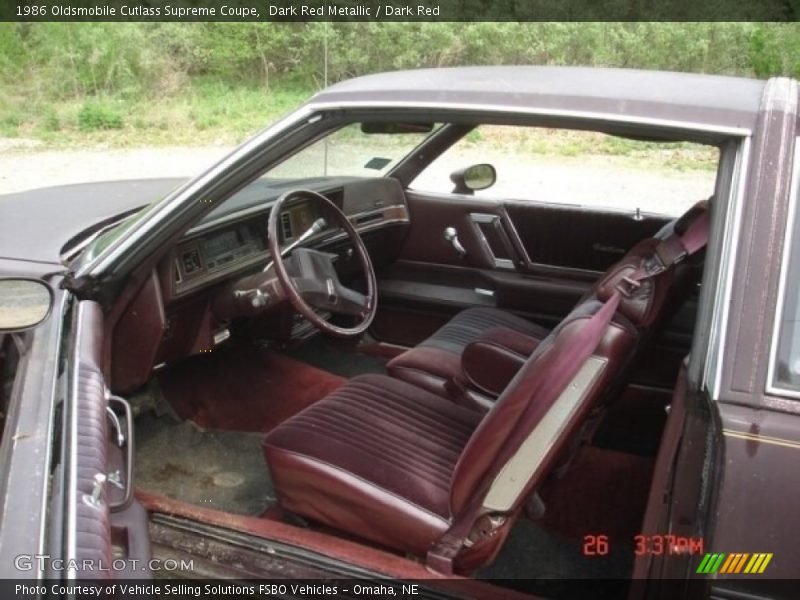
451 235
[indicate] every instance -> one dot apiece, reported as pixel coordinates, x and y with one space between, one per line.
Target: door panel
576 237
533 259
431 215
108 523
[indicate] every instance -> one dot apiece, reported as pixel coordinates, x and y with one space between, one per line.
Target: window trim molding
713 352
789 240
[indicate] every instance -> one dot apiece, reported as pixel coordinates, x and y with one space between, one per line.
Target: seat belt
442 555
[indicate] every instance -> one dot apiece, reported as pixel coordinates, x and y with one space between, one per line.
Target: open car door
105 528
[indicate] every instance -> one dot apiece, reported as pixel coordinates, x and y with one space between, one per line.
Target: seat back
532 419
659 295
522 436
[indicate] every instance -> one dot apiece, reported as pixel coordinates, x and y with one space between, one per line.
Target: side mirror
471 179
24 303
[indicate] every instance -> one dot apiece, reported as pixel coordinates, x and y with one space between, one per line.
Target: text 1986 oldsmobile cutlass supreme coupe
528 374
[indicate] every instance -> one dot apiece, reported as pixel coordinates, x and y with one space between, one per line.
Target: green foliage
158 58
224 80
10 122
50 120
97 114
774 51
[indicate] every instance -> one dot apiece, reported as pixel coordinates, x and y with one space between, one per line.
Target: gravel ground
592 181
26 168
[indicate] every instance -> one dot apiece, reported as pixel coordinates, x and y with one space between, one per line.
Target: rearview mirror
376 127
24 303
474 178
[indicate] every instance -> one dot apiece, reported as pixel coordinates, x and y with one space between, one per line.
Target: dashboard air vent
286 226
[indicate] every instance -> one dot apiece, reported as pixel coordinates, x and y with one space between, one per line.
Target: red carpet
603 493
243 389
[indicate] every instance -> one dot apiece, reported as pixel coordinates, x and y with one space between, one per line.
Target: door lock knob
451 235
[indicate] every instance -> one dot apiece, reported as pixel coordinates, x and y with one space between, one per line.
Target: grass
209 112
203 113
572 143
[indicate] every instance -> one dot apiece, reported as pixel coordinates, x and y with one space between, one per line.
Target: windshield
350 152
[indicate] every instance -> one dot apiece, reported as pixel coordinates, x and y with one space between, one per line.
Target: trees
84 76
112 58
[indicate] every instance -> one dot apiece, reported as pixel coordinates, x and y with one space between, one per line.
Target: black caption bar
376 589
398 11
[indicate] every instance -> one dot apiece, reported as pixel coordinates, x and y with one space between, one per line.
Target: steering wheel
309 279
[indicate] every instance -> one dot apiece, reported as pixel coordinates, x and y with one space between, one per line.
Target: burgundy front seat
389 462
395 464
497 342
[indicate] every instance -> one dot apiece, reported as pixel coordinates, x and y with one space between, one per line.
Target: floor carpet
538 561
243 388
634 422
337 357
604 492
223 470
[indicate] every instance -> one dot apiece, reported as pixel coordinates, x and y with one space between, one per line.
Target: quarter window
786 353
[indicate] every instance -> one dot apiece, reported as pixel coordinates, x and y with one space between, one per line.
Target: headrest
681 224
643 300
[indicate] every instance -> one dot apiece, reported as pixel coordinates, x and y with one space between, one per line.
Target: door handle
451 235
124 482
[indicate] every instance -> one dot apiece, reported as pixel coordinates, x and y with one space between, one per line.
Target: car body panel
26 447
621 94
64 212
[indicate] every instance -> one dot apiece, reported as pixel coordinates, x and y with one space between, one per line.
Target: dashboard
237 243
200 260
185 298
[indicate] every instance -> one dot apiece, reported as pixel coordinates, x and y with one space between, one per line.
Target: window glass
786 367
349 152
581 168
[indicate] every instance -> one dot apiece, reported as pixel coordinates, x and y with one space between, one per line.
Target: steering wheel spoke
309 278
352 302
316 280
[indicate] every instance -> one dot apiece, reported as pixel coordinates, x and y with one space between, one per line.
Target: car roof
712 101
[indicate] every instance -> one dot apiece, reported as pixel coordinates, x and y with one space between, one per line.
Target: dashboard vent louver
369 218
286 226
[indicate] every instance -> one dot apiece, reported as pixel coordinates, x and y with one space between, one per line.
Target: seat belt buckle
654 265
628 287
441 557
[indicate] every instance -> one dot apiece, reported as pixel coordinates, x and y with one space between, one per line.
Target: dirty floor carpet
223 470
243 388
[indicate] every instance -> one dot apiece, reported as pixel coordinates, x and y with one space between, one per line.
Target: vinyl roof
708 100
